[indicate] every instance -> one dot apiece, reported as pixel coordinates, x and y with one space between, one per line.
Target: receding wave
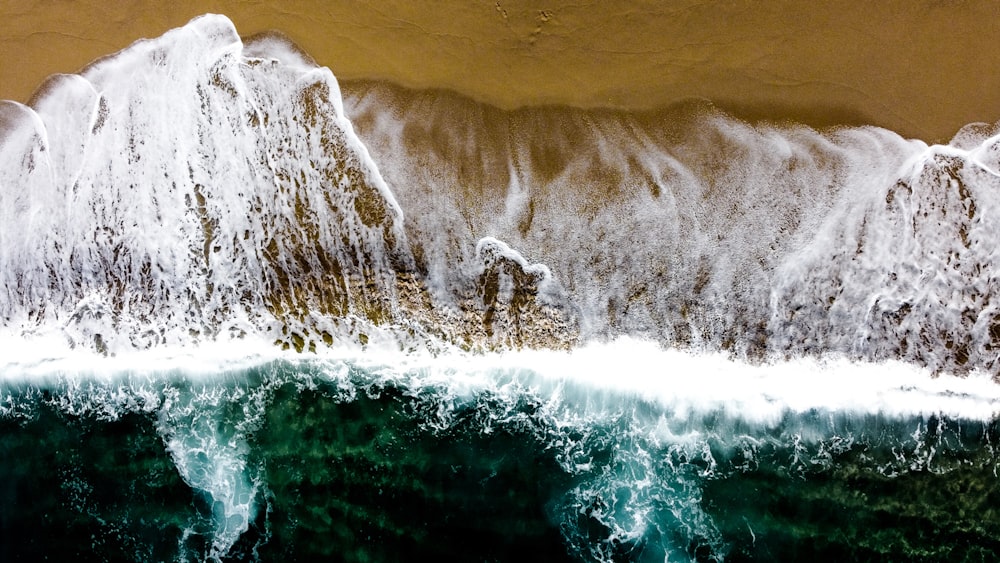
188 189
192 188
294 321
695 229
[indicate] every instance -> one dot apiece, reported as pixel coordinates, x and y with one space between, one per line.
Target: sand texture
922 68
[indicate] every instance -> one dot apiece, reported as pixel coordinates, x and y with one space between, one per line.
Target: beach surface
923 69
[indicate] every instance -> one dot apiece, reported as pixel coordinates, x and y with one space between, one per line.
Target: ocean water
583 456
247 315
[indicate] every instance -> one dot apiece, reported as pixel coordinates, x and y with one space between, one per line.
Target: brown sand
920 67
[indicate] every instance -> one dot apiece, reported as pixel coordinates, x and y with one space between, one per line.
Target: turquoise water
339 460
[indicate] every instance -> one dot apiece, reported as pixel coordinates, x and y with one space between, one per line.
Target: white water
156 198
192 188
182 205
695 229
648 404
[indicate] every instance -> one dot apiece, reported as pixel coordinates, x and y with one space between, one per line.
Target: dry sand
920 67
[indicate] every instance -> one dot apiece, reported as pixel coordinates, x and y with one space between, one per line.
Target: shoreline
894 65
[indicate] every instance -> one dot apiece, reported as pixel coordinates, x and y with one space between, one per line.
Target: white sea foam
671 418
687 385
684 384
47 357
255 209
210 453
712 233
159 209
126 231
165 196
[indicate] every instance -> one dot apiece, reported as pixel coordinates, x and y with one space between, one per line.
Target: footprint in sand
544 17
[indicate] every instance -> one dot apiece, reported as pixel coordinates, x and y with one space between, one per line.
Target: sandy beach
921 68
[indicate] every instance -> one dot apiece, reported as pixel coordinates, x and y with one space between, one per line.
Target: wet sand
922 68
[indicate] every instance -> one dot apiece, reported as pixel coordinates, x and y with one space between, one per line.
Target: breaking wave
626 457
289 302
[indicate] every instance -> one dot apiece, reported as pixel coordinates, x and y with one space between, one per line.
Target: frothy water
697 230
244 319
276 455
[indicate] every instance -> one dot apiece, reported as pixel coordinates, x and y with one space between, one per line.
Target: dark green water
329 461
